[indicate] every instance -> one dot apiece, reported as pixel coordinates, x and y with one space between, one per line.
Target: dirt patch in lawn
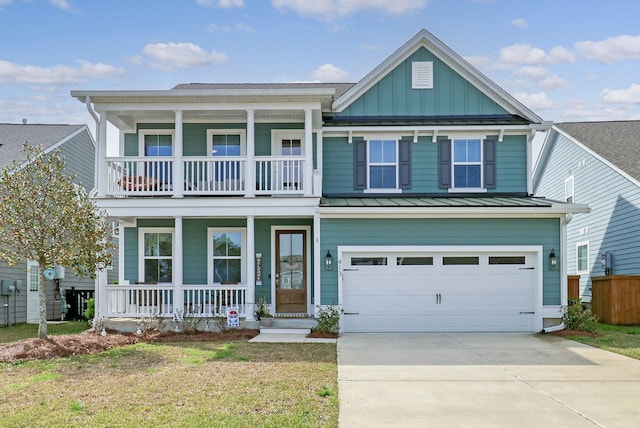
91 343
566 333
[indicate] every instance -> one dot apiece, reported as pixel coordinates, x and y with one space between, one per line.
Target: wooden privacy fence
616 299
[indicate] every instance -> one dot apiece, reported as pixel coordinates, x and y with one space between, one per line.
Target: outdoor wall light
553 260
328 261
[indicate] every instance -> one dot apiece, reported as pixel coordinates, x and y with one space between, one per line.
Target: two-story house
405 198
77 147
595 163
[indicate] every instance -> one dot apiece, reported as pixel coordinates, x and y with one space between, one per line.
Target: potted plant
262 312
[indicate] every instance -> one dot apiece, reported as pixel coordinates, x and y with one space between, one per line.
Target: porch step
287 323
276 330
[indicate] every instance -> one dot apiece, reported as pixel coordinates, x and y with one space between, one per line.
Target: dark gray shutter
444 164
405 164
489 160
360 165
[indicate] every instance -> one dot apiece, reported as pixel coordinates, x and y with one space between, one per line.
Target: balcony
206 176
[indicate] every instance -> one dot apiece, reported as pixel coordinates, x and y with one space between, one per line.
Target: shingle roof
616 141
12 137
340 88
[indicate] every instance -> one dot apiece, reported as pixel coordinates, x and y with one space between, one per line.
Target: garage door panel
437 297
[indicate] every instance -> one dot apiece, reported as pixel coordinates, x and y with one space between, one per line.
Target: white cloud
330 73
335 9
58 74
541 76
214 28
536 101
243 27
520 23
61 4
525 54
222 4
611 50
169 56
631 95
487 63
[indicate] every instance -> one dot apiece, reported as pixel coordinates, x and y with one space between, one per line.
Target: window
156 246
507 260
569 189
467 163
582 257
226 256
382 164
225 143
414 261
156 142
460 260
368 261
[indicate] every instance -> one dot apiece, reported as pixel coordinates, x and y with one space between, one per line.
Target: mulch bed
92 343
320 335
565 333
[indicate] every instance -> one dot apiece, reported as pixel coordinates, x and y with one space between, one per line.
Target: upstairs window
382 165
467 164
383 169
569 190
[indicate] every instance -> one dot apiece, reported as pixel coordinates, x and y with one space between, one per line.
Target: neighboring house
77 147
405 198
596 163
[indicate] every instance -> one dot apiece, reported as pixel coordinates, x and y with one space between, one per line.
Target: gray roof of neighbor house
340 88
13 136
616 141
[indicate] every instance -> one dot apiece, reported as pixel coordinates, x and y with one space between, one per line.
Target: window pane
368 261
157 145
460 151
227 244
473 150
507 260
164 270
582 258
414 261
150 244
226 145
291 148
375 151
164 244
382 177
466 175
151 270
456 261
226 270
389 151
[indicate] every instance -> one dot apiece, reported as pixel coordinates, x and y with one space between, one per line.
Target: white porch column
178 297
101 164
308 153
101 294
178 167
317 173
251 269
250 171
120 253
317 263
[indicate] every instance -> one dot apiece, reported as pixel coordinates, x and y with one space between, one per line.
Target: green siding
451 95
131 254
335 232
511 161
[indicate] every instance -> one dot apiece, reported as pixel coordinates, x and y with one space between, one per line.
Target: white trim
144 132
307 229
396 164
141 256
243 253
466 163
277 135
578 245
471 249
237 131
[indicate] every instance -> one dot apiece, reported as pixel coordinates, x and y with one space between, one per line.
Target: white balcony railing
148 176
138 300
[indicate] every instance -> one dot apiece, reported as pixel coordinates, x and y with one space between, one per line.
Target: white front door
33 285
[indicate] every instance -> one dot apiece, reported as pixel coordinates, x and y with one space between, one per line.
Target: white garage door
395 291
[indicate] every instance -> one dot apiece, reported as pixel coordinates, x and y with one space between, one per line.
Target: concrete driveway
483 380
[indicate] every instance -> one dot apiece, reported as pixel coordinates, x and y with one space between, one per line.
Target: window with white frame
569 190
156 258
156 142
226 249
383 164
467 163
582 257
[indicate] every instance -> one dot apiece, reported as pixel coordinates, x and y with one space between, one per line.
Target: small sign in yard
233 318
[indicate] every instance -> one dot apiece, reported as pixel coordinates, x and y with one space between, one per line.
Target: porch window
226 143
157 255
226 249
154 143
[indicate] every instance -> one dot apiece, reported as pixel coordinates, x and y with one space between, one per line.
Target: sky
567 60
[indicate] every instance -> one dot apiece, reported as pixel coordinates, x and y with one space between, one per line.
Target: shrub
578 317
328 319
90 312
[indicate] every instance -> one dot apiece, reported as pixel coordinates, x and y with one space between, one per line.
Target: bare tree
45 217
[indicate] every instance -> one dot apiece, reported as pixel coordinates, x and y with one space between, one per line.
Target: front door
33 298
291 268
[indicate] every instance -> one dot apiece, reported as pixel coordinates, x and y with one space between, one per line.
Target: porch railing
138 300
202 175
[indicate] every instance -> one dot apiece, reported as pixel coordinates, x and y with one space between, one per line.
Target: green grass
26 331
209 384
624 340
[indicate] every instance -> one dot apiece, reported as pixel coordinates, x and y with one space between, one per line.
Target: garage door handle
351 313
349 270
527 313
529 268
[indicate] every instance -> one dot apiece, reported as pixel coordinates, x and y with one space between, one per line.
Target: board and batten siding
511 161
471 232
614 221
451 95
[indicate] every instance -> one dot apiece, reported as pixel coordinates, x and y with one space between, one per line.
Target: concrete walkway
483 380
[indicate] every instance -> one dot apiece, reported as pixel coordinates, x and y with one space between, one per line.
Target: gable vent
422 75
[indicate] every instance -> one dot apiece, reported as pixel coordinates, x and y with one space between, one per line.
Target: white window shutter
422 75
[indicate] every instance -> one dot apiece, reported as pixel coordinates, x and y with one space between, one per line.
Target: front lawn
623 340
184 384
26 331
